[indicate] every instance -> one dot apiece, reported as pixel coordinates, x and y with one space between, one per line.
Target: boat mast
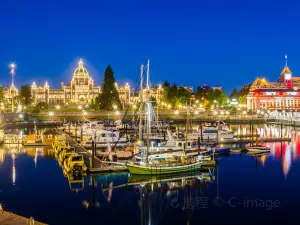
186 130
141 103
148 110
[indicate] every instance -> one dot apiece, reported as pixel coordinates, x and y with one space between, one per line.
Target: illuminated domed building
284 94
80 89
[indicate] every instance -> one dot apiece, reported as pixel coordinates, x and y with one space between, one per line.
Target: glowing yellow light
176 112
196 112
244 112
115 107
79 107
117 113
197 101
215 112
57 107
51 113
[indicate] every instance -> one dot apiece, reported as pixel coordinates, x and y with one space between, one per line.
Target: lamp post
84 114
51 114
12 73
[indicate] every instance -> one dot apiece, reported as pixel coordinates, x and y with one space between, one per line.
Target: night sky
197 42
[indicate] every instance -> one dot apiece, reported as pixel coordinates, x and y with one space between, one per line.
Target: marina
114 195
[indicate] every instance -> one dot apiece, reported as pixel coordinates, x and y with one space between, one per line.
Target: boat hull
258 149
158 170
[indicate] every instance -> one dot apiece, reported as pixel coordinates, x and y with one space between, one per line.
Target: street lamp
51 114
57 107
21 116
84 114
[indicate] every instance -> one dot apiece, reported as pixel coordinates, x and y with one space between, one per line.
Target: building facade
10 93
81 89
283 94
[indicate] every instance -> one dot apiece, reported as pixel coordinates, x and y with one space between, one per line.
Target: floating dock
9 218
95 165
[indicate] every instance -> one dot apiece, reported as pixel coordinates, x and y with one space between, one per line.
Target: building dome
80 70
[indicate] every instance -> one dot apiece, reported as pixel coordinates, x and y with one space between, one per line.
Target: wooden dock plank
9 218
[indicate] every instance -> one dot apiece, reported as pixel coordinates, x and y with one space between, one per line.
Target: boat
64 154
58 146
173 147
172 165
164 168
258 148
236 150
216 132
75 162
104 137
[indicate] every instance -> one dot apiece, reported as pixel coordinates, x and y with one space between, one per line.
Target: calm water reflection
243 189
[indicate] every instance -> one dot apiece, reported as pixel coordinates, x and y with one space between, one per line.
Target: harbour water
242 189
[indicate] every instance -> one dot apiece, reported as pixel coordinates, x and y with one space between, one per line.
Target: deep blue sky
197 42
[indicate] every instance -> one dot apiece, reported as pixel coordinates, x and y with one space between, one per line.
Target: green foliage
240 95
42 105
25 94
153 101
217 95
109 96
36 110
1 94
175 95
234 94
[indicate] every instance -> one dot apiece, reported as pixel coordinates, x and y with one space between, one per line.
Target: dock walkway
95 165
9 218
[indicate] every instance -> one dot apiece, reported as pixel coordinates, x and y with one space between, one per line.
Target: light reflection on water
32 175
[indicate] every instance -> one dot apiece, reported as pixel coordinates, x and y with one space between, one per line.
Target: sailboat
181 164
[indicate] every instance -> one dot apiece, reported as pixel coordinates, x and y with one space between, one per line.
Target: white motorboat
103 137
258 148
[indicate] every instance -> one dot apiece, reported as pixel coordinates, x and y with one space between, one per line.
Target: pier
94 164
9 218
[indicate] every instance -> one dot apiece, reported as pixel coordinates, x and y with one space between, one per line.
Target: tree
234 94
1 94
25 94
42 105
166 84
109 96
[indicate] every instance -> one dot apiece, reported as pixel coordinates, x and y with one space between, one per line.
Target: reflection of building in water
2 155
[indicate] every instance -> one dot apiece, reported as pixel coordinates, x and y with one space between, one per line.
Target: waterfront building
81 89
125 94
10 93
283 94
189 88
